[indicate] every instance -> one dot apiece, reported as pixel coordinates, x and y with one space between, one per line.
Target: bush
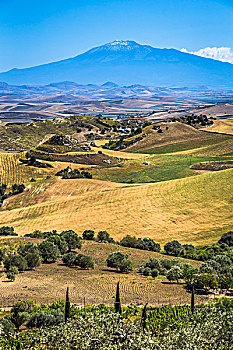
15 260
148 244
173 248
126 265
85 262
103 236
154 273
45 319
60 242
114 259
10 274
227 238
72 239
174 274
146 271
7 231
129 241
69 259
49 252
88 235
31 253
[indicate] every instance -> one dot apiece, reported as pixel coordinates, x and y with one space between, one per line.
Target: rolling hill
194 210
127 62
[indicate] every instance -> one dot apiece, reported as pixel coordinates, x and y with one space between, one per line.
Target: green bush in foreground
208 329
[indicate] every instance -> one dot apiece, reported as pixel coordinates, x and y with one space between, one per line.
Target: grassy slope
48 283
225 126
178 137
194 209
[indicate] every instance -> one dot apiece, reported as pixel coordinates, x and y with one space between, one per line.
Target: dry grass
222 126
194 210
48 282
175 137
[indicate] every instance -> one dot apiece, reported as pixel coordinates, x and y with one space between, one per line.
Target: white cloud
224 54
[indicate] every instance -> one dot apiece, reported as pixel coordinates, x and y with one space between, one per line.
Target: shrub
10 274
154 273
173 248
146 271
45 319
48 251
60 242
88 235
7 231
148 244
103 236
114 259
85 262
15 260
20 312
72 239
69 259
31 253
174 274
126 265
227 238
129 241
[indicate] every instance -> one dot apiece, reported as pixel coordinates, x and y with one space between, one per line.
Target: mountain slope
126 62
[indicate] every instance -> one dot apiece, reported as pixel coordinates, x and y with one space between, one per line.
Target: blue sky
39 31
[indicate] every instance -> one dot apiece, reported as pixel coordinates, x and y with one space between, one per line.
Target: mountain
127 62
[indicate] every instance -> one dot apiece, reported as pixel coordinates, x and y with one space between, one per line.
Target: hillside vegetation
176 137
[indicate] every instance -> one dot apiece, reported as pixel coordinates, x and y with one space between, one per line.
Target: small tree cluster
81 260
144 244
120 262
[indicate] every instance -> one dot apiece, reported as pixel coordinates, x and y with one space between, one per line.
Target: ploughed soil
213 166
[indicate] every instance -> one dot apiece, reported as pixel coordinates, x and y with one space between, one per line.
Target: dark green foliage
69 259
8 326
16 189
45 319
85 262
48 251
174 274
173 248
88 235
67 305
120 261
146 271
7 231
117 300
154 273
192 300
15 260
72 239
205 281
20 312
68 173
103 236
144 244
227 238
60 242
129 241
126 265
148 244
31 253
144 317
10 274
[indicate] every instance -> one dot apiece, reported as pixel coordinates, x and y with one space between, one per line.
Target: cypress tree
192 300
67 305
144 317
118 301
